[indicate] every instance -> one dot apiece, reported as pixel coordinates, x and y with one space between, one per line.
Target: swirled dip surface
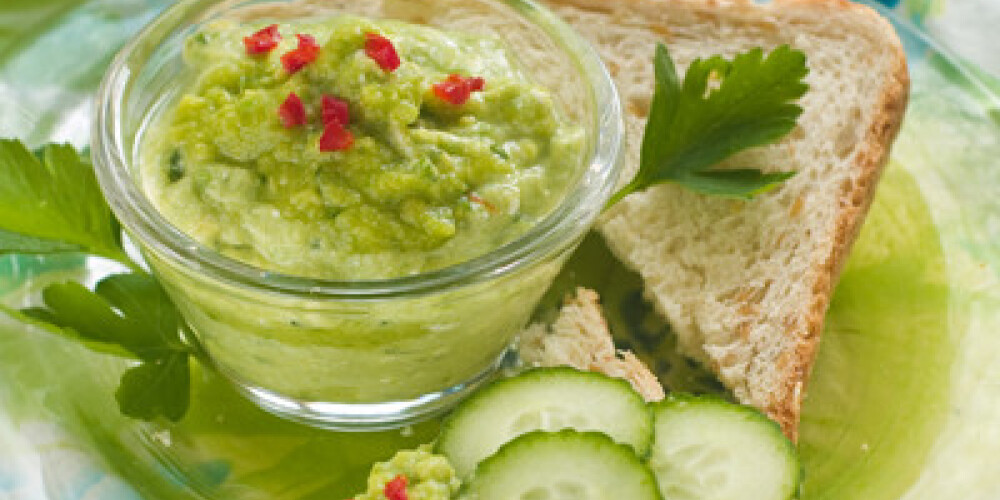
426 181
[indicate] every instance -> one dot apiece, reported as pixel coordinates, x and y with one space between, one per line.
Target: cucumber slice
544 399
564 465
705 448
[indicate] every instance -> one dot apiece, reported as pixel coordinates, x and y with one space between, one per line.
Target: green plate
905 398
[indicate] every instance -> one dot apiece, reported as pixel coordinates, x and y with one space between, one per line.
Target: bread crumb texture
746 284
580 338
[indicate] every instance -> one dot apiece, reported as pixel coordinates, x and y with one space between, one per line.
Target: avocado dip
348 148
414 475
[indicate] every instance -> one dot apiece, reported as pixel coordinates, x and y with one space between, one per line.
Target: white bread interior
580 338
746 285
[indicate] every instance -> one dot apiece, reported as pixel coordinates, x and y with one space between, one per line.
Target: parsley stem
623 192
122 258
721 107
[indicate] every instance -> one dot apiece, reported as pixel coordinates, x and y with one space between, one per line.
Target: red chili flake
396 489
457 89
335 137
335 110
263 41
292 112
302 56
382 51
477 84
491 208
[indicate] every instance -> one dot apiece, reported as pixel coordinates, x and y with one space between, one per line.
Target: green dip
428 476
426 184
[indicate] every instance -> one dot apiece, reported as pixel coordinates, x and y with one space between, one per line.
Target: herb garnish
721 108
51 203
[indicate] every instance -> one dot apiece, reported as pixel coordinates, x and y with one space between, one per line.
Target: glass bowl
358 355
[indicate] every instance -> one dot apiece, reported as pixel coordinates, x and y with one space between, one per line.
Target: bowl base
365 417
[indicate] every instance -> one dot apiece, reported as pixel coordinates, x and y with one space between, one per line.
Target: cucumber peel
562 465
544 399
706 448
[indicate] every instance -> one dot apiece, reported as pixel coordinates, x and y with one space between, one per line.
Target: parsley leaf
722 107
131 316
50 202
146 306
19 243
44 319
740 183
161 387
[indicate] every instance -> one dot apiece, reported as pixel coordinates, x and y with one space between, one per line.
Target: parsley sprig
50 203
722 107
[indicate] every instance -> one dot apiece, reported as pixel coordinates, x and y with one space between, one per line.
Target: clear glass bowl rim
559 230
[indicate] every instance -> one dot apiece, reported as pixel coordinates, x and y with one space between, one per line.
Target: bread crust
652 6
784 403
786 406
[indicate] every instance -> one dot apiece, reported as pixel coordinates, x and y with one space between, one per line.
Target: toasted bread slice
580 338
746 284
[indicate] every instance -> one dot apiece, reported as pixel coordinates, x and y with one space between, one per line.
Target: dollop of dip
349 148
412 475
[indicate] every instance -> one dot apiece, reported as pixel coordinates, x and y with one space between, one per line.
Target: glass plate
904 402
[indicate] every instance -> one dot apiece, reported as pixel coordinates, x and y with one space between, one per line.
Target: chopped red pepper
453 90
262 41
477 84
302 56
292 112
382 51
335 110
457 89
335 137
491 208
396 489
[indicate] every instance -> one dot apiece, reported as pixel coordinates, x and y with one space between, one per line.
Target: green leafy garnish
721 108
128 310
19 243
50 203
161 387
128 315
